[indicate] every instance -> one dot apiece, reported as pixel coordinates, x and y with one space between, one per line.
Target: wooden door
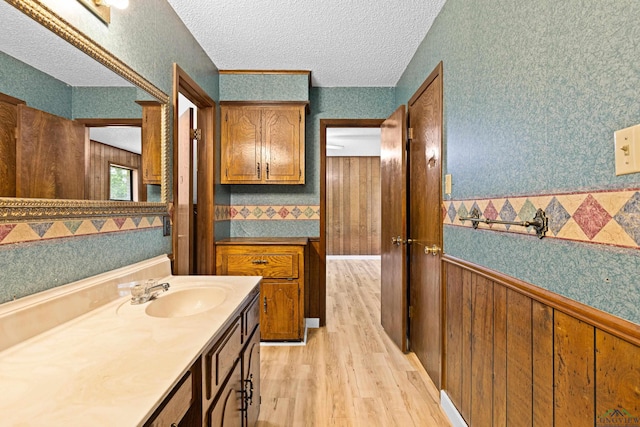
51 158
425 223
280 314
393 299
8 125
184 257
283 133
241 144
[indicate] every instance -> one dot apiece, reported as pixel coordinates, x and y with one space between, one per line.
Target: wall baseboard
312 322
450 410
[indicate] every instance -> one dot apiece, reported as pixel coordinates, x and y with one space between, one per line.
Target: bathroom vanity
82 354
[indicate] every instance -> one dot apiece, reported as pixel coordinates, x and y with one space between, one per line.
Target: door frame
184 84
324 124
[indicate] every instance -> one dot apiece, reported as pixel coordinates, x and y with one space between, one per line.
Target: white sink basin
186 302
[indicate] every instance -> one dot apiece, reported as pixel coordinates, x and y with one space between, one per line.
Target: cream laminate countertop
112 366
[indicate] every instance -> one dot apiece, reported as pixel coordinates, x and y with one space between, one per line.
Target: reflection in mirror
115 164
51 96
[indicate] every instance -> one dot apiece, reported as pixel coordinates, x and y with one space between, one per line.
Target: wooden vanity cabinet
263 143
222 388
230 366
280 261
180 408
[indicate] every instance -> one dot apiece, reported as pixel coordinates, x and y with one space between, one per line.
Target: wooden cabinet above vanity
263 143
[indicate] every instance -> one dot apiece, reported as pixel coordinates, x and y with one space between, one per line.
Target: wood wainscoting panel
453 331
542 364
353 206
482 351
617 378
519 353
465 405
499 355
574 371
101 156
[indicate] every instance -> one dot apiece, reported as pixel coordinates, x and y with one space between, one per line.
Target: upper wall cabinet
151 142
262 143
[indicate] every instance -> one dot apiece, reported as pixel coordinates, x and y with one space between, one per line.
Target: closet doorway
193 177
326 124
353 191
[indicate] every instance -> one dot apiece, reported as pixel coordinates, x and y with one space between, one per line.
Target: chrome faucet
142 293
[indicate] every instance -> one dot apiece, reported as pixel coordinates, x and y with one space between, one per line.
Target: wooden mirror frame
22 209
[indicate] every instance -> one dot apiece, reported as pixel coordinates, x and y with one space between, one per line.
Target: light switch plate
447 184
627 150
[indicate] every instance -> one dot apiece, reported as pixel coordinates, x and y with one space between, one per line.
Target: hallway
349 373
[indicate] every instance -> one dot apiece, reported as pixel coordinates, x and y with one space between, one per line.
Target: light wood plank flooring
349 373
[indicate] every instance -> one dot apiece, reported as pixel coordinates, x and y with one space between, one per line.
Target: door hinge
196 134
299 117
299 173
410 133
412 312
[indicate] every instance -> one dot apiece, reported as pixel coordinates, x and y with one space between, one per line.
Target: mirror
57 88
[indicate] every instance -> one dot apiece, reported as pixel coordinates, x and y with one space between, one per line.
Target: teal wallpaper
39 90
264 87
533 92
33 267
105 102
149 37
326 103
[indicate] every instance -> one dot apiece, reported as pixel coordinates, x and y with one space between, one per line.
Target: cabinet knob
264 304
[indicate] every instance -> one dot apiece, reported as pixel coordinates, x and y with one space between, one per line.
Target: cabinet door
251 376
151 143
227 409
280 314
241 145
283 129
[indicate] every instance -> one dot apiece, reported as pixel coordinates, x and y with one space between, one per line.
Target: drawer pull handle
248 398
260 261
264 304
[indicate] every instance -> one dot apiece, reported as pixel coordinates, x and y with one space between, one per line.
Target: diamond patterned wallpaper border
267 212
45 230
605 217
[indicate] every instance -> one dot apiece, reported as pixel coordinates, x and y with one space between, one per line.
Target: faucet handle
138 290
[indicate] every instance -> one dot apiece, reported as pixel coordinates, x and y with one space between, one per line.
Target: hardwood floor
349 373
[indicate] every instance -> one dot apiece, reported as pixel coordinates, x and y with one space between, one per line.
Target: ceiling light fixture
102 8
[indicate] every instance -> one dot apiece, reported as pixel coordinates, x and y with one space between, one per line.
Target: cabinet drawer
176 406
268 265
220 359
251 318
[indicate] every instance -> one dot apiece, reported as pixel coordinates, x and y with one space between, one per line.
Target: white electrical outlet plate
447 184
627 150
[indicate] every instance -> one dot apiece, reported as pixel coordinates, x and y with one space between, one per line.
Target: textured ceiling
343 42
31 43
